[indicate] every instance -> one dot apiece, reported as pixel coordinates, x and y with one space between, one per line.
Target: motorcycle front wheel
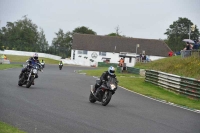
106 98
29 83
20 82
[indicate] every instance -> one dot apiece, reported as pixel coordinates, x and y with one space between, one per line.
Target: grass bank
17 58
137 84
187 67
7 66
5 128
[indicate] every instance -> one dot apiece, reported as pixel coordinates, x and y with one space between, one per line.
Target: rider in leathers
104 78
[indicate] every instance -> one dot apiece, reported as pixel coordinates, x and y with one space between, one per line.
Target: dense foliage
23 35
178 31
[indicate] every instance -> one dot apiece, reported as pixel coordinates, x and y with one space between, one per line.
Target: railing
183 85
187 53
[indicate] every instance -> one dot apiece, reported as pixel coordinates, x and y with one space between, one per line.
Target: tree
42 42
84 30
23 35
178 31
113 34
62 43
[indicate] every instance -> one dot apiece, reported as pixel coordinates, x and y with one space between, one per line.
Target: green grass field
137 84
5 128
7 66
188 67
17 58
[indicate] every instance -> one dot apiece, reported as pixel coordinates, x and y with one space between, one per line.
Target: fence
183 85
187 53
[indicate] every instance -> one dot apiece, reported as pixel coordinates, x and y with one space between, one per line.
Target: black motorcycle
60 66
42 64
104 93
29 76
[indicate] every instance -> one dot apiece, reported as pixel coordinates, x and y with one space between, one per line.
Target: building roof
119 44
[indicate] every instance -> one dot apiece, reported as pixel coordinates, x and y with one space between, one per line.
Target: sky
135 18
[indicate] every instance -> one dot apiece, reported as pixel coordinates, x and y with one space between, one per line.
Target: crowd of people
191 46
4 57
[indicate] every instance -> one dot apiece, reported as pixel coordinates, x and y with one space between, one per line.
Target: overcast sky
135 18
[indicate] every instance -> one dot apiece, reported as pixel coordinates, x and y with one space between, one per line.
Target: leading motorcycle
29 76
104 93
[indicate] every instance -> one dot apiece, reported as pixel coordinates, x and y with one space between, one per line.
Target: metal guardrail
187 53
183 85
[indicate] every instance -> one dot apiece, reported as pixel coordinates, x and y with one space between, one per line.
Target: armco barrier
183 85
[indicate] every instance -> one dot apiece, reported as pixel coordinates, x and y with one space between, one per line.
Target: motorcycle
104 93
60 66
29 76
42 64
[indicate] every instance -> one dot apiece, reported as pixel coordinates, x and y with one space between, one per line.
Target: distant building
90 49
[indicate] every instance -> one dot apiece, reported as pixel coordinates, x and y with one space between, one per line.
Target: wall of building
79 58
84 59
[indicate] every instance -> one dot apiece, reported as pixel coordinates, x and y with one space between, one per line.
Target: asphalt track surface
58 103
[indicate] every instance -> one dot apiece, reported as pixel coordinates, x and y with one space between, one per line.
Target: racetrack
58 103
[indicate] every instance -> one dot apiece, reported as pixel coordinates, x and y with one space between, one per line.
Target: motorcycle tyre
109 96
92 98
19 82
28 84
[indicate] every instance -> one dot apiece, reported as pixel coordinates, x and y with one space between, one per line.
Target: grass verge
5 128
137 84
7 66
17 58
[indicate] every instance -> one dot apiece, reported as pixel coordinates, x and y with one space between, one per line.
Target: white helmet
111 70
35 56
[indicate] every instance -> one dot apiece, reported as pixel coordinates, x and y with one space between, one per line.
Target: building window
102 53
82 52
130 60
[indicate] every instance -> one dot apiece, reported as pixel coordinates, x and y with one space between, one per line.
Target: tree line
24 35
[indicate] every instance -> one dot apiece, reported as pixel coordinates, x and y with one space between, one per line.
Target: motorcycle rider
104 77
42 61
60 63
31 60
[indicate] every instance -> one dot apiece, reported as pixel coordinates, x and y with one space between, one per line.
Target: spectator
196 45
4 57
140 57
170 53
188 46
121 62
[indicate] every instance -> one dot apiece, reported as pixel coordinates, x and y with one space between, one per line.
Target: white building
88 49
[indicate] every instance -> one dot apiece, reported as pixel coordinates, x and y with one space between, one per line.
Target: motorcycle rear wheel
106 98
92 98
19 82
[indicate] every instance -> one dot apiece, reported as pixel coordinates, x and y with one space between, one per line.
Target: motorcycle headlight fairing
35 71
112 86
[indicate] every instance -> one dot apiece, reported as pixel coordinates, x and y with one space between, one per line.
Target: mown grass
5 128
137 84
187 67
7 66
17 58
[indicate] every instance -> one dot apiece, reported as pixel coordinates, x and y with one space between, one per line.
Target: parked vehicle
104 93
